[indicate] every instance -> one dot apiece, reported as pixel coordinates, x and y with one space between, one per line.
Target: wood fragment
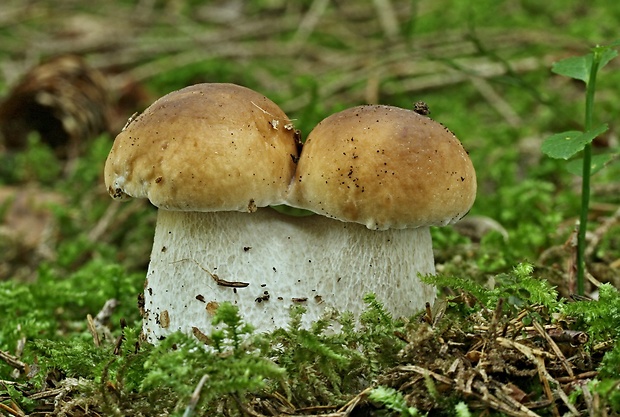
529 352
118 344
193 401
540 365
108 218
583 375
424 371
92 328
47 393
218 280
554 347
515 410
574 337
496 317
12 411
534 355
497 101
387 18
198 334
309 21
428 315
13 361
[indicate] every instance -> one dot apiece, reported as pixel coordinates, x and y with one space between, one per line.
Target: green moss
36 163
393 401
601 317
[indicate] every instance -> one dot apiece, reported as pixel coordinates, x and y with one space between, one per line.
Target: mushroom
209 154
206 155
381 176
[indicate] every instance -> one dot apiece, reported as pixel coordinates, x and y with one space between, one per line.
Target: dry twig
13 361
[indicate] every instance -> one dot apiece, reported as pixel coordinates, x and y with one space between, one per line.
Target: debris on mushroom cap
384 167
207 147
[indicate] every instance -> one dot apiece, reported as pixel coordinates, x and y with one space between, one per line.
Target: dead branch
13 361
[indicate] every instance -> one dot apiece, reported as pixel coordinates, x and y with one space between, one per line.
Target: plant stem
583 221
587 166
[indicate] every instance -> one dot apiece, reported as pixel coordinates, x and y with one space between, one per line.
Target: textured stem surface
200 260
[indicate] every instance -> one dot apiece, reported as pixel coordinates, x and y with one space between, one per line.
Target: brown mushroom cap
384 167
207 147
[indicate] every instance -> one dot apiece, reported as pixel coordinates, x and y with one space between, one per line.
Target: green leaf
598 162
566 144
577 67
606 55
614 44
559 146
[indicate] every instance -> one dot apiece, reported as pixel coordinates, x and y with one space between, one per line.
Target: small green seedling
392 400
565 145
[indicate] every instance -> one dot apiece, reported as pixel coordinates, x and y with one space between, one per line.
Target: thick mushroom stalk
267 261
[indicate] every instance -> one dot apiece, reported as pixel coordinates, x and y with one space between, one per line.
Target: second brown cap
384 167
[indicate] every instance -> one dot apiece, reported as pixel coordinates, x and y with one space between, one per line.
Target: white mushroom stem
200 260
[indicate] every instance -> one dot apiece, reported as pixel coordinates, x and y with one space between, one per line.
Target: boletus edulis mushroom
385 175
211 157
